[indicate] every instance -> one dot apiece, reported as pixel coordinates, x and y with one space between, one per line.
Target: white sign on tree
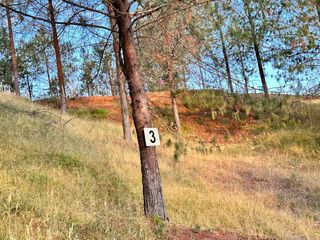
151 136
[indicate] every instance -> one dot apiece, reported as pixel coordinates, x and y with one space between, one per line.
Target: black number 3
153 138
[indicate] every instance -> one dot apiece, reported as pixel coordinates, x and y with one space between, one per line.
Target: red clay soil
198 125
189 234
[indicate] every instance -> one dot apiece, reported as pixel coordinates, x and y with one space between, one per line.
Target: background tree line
240 46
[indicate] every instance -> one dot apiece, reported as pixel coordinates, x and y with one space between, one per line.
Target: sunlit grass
78 179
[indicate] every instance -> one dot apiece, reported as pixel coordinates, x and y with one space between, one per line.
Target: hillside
75 178
196 123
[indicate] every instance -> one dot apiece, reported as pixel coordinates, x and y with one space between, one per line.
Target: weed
180 149
169 142
159 226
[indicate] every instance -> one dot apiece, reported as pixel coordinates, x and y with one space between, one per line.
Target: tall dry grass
77 179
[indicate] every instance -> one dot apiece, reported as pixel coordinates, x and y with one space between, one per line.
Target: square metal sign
151 136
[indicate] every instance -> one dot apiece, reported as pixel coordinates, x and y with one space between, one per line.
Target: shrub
180 149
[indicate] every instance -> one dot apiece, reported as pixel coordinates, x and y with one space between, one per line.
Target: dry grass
81 181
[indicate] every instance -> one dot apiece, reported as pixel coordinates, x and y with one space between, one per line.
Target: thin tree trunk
112 81
29 88
62 91
185 80
318 8
245 78
170 78
151 180
112 84
224 48
88 89
202 78
120 77
173 93
243 70
257 49
48 73
13 53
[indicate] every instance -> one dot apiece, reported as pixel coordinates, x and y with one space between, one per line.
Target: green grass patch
90 113
303 144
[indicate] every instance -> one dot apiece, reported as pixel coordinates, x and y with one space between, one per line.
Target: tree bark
13 53
120 77
151 180
224 49
62 91
257 49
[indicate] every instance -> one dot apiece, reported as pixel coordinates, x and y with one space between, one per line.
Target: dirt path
175 233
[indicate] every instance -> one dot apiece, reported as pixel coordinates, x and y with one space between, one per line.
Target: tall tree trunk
13 53
151 180
224 48
256 49
62 91
48 73
120 77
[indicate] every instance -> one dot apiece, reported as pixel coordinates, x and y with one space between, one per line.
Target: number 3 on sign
151 136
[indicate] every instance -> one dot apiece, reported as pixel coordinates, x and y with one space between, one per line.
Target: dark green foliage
5 58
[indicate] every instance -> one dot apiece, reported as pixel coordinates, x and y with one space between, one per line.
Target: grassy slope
59 182
81 181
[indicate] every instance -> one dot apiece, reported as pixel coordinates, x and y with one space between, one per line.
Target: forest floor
66 177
